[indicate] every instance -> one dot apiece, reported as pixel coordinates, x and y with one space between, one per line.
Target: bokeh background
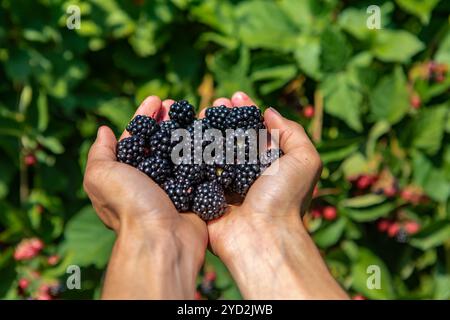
375 102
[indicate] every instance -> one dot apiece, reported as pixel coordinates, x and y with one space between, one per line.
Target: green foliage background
58 85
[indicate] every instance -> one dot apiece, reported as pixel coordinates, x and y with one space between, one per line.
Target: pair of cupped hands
136 208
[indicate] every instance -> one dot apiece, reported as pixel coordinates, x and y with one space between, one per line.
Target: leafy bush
381 122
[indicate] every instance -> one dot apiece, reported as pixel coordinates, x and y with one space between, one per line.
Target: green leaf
354 165
307 54
262 21
427 130
51 143
88 239
420 8
335 50
390 98
117 110
343 100
432 236
370 213
432 179
395 45
360 276
330 235
42 105
366 200
443 53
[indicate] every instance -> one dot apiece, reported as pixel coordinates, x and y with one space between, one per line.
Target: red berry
52 260
359 297
364 181
316 213
30 160
412 227
415 101
36 244
329 213
390 191
383 225
197 295
210 276
393 229
308 112
23 283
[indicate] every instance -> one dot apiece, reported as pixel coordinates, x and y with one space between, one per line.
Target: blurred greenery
381 100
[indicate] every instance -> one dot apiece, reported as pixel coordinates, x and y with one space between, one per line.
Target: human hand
166 245
263 236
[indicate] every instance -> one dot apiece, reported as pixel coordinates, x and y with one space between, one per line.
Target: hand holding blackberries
155 244
262 240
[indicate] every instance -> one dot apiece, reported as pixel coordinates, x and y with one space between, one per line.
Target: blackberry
245 175
180 191
157 168
142 126
209 201
248 117
160 143
243 146
268 157
182 112
216 117
191 172
221 173
131 150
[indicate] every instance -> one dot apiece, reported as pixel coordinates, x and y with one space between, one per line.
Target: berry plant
375 102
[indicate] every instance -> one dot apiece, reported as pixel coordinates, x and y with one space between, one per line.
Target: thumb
293 141
104 147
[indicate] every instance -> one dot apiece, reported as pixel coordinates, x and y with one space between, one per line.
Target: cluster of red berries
28 248
33 286
364 181
326 212
413 195
393 228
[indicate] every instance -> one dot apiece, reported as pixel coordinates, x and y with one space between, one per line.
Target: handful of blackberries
198 161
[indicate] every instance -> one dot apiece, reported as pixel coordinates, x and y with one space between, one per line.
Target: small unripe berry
308 112
383 225
412 227
30 160
23 283
393 229
329 213
415 101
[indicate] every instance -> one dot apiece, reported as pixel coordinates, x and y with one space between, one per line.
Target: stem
318 117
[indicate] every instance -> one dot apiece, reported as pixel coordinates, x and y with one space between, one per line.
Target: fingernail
275 111
241 95
147 100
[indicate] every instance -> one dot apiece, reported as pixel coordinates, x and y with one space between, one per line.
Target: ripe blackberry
191 172
182 112
160 143
268 157
221 173
155 167
243 146
248 117
142 126
245 175
180 191
216 117
131 150
209 201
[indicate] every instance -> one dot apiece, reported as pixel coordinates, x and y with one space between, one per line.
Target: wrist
279 261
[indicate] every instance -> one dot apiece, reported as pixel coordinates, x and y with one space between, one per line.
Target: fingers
293 139
149 107
240 99
104 147
163 114
218 102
